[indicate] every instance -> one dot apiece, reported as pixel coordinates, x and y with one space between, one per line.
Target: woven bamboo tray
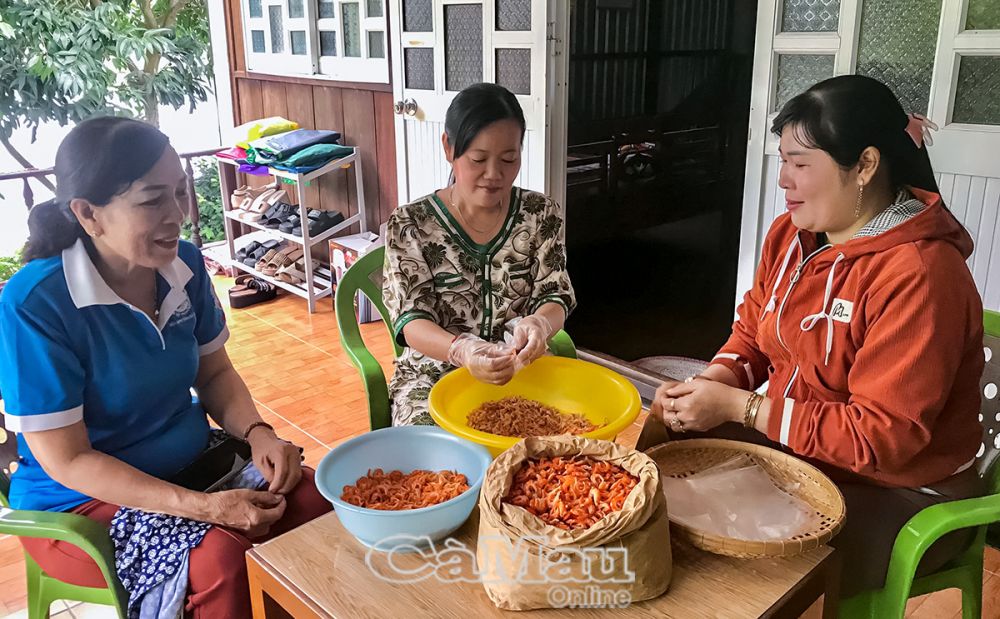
684 458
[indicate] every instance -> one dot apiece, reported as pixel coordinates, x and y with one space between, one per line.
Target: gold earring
857 207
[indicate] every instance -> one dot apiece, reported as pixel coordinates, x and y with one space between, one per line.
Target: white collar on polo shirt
87 287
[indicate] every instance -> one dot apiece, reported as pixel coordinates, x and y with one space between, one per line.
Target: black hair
846 114
98 160
474 108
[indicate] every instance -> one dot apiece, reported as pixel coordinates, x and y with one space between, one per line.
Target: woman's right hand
487 362
251 512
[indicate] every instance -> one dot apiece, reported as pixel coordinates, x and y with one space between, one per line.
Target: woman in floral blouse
474 260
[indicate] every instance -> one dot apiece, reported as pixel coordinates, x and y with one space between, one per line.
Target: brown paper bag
525 563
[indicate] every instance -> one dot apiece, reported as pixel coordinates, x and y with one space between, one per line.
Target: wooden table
319 571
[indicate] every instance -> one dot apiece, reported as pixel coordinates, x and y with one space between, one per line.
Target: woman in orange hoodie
865 322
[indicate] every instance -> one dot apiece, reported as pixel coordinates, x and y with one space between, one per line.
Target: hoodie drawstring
770 307
810 321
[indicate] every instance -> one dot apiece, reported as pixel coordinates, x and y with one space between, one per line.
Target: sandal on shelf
252 257
239 194
244 196
321 221
270 212
281 259
278 214
294 273
263 202
246 251
291 223
266 258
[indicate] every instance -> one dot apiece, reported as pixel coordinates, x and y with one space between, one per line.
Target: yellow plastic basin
604 397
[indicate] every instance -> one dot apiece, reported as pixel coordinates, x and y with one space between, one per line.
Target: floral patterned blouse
434 271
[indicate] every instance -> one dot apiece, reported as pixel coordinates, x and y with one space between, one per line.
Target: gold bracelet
756 409
751 408
746 410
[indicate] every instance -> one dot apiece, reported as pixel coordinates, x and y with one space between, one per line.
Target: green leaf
63 61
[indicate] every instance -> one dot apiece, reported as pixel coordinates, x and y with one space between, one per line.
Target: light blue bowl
405 448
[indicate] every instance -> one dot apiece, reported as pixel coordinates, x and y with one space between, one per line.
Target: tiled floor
305 386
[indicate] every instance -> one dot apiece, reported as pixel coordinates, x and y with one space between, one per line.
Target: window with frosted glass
513 14
418 15
277 34
376 44
513 68
463 45
797 72
327 43
810 15
351 29
326 10
296 10
977 91
298 42
257 38
897 47
256 9
374 8
983 15
418 67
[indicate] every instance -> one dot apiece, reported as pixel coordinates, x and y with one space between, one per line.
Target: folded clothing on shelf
278 147
312 158
256 129
235 153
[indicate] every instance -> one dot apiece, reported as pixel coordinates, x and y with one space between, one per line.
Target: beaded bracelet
253 426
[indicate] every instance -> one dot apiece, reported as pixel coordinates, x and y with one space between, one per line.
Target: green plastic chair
966 572
88 535
360 278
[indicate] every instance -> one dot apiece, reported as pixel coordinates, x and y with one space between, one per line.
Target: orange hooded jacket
873 349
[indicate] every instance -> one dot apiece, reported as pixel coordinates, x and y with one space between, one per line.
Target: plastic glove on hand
487 362
531 339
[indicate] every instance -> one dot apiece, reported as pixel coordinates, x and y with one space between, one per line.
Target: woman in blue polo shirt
103 334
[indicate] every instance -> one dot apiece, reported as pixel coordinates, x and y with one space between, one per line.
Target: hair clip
919 129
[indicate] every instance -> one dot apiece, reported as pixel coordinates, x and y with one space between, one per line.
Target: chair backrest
8 459
364 276
989 453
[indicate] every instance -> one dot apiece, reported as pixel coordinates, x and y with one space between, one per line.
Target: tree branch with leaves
68 60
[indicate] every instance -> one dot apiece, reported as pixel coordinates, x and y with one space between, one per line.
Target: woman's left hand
279 461
700 405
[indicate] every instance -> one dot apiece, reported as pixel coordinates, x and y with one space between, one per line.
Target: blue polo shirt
71 349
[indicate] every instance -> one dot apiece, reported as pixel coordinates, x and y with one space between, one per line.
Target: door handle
398 107
410 107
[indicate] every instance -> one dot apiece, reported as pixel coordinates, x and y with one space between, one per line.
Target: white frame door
958 148
420 164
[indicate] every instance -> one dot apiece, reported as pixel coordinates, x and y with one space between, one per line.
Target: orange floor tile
305 386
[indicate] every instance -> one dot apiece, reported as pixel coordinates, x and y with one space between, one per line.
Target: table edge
301 595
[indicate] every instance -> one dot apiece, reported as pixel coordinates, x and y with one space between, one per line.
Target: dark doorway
658 113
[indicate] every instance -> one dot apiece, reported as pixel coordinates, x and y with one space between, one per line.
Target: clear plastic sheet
737 499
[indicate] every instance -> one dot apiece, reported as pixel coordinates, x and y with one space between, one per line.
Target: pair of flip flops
249 290
319 222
